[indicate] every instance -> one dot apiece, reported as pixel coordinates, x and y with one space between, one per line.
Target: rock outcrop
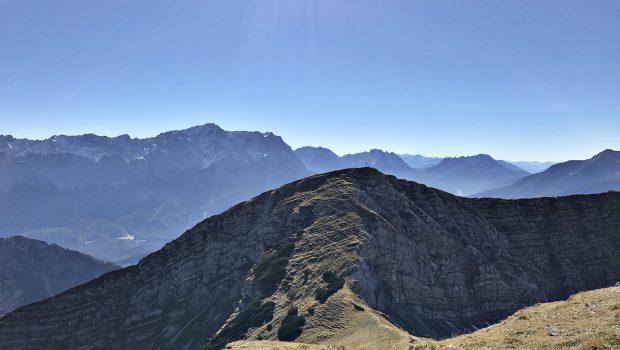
344 251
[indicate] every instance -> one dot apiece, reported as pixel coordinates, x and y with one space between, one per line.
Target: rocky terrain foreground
587 320
351 258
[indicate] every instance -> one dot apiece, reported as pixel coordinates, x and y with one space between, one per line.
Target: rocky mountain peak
608 154
153 188
477 160
323 257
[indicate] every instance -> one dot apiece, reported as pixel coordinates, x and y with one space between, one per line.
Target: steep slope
469 175
600 173
318 159
320 259
118 198
32 270
587 320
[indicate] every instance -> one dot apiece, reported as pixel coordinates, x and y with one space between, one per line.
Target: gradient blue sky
520 80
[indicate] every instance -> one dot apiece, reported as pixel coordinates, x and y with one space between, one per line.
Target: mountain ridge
601 173
118 188
464 175
468 174
32 270
434 263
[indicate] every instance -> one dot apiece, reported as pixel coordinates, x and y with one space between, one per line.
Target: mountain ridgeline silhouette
32 270
120 198
600 173
461 176
330 255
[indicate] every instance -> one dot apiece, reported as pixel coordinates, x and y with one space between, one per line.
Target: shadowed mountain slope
321 259
32 270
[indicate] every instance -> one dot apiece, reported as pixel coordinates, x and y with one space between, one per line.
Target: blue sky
520 80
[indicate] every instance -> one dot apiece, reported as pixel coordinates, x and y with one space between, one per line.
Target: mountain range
417 161
600 173
120 198
332 259
32 270
461 176
468 175
532 167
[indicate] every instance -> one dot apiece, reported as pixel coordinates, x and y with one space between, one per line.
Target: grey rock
433 263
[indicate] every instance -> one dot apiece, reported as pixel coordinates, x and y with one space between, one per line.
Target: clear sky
520 80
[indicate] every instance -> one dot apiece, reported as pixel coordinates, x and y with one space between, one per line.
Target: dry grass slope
586 321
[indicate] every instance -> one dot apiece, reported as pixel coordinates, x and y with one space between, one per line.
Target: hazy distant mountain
468 175
462 176
510 165
600 173
417 161
120 198
533 167
32 270
386 162
318 159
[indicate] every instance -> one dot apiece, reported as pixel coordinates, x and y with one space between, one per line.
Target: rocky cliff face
32 270
432 263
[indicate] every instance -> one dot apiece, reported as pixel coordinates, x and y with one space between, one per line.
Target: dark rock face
600 173
118 198
436 264
32 270
439 265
